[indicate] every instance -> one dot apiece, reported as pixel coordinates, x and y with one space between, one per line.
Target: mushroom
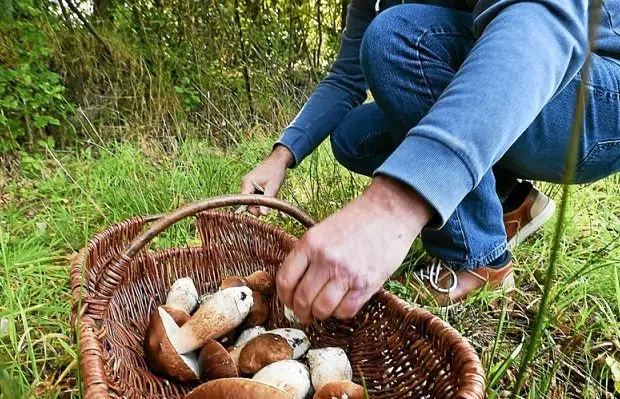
288 375
328 365
297 339
179 316
220 314
262 351
215 362
261 281
249 334
237 388
259 313
245 337
161 355
340 390
183 295
233 281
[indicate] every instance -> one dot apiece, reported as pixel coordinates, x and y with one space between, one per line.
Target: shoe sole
535 224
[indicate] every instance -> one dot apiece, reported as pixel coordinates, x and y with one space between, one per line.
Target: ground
60 198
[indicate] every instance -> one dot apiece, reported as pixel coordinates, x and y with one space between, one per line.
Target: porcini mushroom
218 315
262 351
328 365
289 375
179 316
183 295
259 312
297 339
340 390
249 334
262 282
161 355
245 337
233 281
237 388
215 362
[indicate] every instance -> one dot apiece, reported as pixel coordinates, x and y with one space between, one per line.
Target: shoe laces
431 274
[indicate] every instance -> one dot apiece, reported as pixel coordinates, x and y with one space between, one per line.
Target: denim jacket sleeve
343 89
536 45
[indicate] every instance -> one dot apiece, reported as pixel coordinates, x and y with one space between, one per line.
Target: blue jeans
408 67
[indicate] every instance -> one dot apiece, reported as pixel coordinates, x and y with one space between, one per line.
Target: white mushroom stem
297 339
328 365
288 375
170 327
183 295
221 313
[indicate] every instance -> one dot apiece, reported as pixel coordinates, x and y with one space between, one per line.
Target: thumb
271 189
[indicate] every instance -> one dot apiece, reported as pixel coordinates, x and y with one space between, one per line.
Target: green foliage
30 93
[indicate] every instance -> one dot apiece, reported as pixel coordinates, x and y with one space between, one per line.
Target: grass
61 198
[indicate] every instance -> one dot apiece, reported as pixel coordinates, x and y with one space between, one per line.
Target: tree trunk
244 58
319 21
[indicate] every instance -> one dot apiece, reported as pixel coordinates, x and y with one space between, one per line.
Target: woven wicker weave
402 352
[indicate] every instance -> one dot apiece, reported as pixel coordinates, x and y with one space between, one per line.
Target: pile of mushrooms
189 339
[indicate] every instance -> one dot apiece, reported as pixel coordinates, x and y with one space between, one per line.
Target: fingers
271 189
307 291
328 300
351 304
291 273
249 187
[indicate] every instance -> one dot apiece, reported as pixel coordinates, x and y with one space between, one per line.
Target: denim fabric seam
463 235
433 32
609 18
597 148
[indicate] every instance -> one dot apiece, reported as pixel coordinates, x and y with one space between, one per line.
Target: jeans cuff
473 263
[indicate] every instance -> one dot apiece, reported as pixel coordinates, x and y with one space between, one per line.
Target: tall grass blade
571 161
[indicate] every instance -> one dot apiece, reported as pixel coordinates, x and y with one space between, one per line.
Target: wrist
400 200
282 155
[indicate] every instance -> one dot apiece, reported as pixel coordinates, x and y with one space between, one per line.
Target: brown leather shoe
529 211
446 286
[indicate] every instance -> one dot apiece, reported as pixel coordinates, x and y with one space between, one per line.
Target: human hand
268 176
338 265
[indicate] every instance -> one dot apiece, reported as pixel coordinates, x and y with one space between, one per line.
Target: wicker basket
401 351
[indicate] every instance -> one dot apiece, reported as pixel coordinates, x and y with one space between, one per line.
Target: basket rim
88 332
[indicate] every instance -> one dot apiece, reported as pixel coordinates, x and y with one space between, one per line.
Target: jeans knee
342 149
389 34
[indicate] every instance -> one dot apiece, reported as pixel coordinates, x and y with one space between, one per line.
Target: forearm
527 52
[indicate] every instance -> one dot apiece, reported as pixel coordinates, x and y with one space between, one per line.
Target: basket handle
166 220
113 274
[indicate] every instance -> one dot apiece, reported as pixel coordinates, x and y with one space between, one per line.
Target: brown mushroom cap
259 312
179 316
159 353
237 388
233 281
262 351
261 281
215 362
340 390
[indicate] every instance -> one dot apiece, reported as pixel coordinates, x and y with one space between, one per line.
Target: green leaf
614 366
44 120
